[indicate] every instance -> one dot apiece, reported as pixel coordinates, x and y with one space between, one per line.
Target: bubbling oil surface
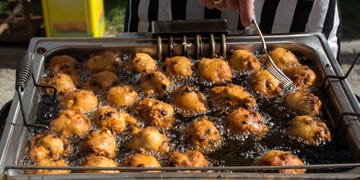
234 151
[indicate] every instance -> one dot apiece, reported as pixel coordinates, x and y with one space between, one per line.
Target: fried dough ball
99 161
232 96
71 122
242 60
103 80
303 103
214 70
122 95
283 58
203 135
46 146
63 83
281 158
106 60
141 160
82 100
155 113
178 66
155 83
313 131
302 76
109 117
246 122
64 64
49 162
191 158
140 63
264 83
149 139
101 142
189 101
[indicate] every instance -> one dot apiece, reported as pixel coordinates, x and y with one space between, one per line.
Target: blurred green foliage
8 6
4 6
114 15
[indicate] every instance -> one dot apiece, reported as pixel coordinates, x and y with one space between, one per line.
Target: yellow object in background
74 18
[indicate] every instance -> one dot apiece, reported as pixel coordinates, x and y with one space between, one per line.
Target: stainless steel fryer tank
343 108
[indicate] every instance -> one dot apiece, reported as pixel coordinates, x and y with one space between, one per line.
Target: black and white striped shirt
273 16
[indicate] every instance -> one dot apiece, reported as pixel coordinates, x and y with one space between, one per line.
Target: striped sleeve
131 16
268 15
142 11
301 14
333 32
284 16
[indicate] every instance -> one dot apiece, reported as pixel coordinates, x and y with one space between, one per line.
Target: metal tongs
272 68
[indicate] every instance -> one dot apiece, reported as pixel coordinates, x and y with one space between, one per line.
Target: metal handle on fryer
23 71
188 28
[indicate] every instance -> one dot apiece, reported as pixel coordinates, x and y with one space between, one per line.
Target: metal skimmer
272 68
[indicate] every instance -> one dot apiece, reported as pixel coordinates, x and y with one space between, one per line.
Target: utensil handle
260 34
23 71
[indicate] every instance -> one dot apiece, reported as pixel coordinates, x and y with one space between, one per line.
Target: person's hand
246 8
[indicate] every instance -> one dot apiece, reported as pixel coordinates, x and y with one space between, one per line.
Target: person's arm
246 8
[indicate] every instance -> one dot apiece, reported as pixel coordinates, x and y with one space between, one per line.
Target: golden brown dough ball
190 158
101 142
246 122
140 63
178 66
242 60
71 123
82 100
189 100
203 135
106 60
264 83
302 76
46 146
303 103
64 64
49 162
141 160
99 161
122 95
283 58
232 96
103 80
214 70
309 129
109 117
149 139
155 83
281 158
63 83
155 113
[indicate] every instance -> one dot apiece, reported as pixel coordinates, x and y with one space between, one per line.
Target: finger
220 4
208 3
246 11
232 4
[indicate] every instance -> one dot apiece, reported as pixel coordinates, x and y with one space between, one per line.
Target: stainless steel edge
188 175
